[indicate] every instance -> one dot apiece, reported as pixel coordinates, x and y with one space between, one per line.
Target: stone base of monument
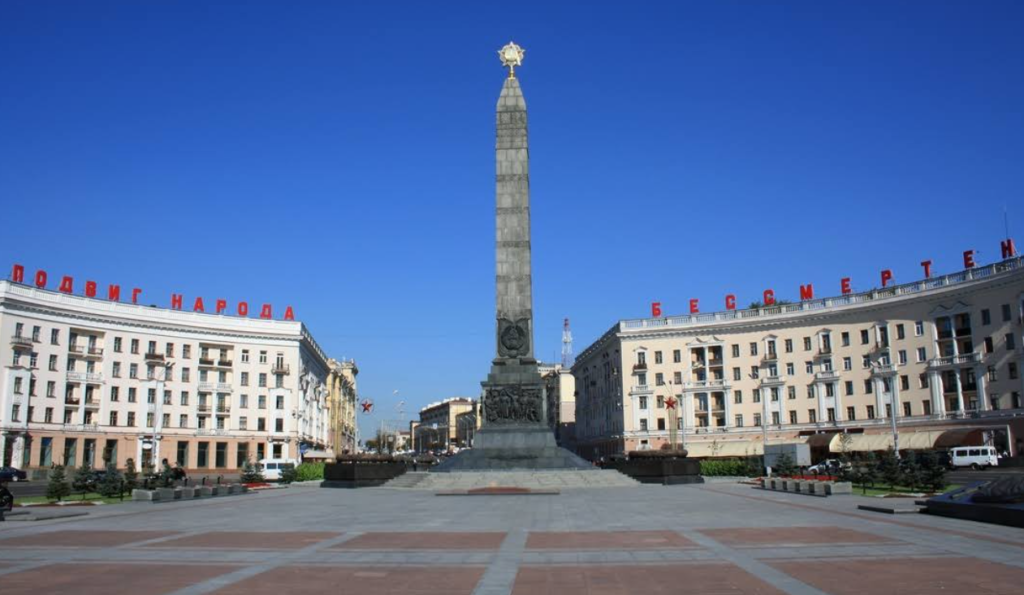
531 448
664 470
356 474
963 503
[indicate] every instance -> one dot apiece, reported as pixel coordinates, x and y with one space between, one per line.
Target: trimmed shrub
724 468
309 472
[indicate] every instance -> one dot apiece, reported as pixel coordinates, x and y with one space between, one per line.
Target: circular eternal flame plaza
714 538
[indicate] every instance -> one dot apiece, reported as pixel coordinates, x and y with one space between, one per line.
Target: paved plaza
715 538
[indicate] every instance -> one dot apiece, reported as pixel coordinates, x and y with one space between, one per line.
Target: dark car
12 474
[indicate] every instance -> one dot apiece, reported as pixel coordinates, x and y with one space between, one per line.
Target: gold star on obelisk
511 56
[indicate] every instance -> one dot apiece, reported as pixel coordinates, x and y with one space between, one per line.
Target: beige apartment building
84 377
941 356
438 424
342 433
560 391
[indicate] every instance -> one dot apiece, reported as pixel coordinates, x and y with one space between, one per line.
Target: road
966 476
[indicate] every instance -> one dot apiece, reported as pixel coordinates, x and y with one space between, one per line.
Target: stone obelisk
515 433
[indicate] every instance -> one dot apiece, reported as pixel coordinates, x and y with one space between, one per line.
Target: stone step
468 480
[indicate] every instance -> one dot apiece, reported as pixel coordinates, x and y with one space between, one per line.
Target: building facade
342 433
942 357
85 379
438 426
560 391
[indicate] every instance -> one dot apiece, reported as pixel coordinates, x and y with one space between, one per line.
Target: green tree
251 473
110 487
131 476
889 468
166 476
911 471
933 474
869 471
784 465
288 474
58 489
82 482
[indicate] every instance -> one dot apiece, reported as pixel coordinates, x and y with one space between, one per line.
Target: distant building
342 399
560 386
438 428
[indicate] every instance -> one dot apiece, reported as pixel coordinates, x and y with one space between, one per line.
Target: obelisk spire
513 270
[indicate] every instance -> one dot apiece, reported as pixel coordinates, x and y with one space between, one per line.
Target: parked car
827 467
12 474
975 457
272 467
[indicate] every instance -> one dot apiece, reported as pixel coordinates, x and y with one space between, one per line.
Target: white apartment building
942 355
85 377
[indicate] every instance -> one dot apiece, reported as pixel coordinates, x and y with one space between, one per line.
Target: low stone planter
187 493
166 494
361 474
809 487
838 487
145 495
204 492
234 489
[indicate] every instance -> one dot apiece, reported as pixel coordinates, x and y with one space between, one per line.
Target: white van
272 467
975 457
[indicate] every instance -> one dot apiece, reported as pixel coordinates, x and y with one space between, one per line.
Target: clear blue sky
338 156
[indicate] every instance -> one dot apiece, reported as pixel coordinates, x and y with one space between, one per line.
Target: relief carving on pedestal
513 337
513 404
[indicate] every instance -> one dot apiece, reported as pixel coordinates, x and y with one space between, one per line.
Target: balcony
884 370
772 380
211 432
223 409
205 361
771 356
639 367
72 401
203 408
92 403
76 349
281 369
826 376
86 377
19 342
716 362
224 363
215 387
95 352
951 361
825 350
707 385
155 357
641 388
81 427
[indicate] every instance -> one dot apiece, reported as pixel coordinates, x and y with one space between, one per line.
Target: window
755 372
186 375
737 397
812 416
657 357
807 343
131 395
906 410
70 366
167 397
986 317
641 379
775 394
17 385
131 419
262 401
737 374
848 386
183 399
810 391
900 333
791 392
864 337
643 425
868 386
677 377
263 357
263 380
888 410
48 416
135 346
243 423
222 376
245 356
904 382
846 339
16 410
661 423
847 363
809 366
659 379
926 407
54 336
739 420
643 402
133 371
261 424
51 388
792 417
1011 370
851 413
186 351
922 381
165 420
831 412
866 361
115 394
660 402
992 376
169 350
68 414
918 328
243 401
757 419
245 379
279 403
1006 313
203 375
753 348
830 389
775 418
789 345
757 395
677 356
901 356
1011 344
279 425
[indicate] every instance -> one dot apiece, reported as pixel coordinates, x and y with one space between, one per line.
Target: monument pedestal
520 447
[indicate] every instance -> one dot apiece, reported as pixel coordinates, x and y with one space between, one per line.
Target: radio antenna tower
567 356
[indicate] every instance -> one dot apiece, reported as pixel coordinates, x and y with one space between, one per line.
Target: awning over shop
919 440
